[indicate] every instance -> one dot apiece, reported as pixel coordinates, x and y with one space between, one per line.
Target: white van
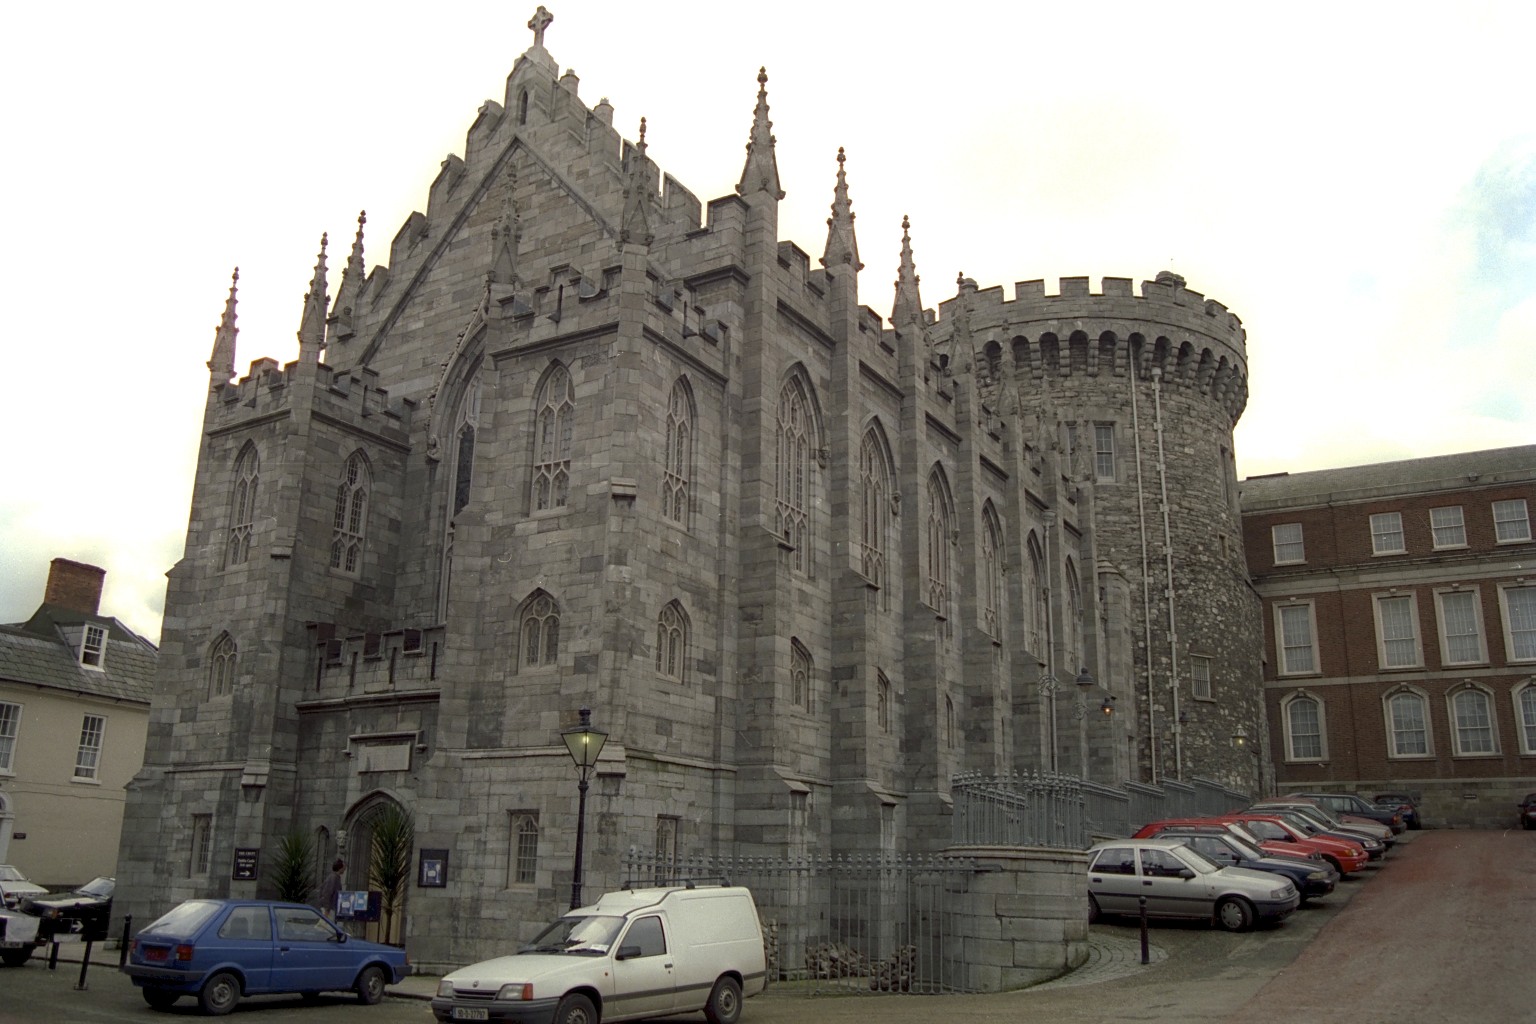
634 953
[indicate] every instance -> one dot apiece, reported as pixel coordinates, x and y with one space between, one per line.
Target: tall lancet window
937 536
991 573
553 426
351 520
1036 596
874 507
461 480
242 506
1072 642
792 473
679 455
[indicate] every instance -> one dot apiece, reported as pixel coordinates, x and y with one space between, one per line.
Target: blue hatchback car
220 950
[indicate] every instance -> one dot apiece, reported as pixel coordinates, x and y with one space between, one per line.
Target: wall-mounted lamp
1108 706
1085 679
1240 737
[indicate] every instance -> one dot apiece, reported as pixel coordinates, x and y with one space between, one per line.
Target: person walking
330 889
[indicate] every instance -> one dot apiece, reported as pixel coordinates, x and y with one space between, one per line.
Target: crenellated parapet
351 398
1168 333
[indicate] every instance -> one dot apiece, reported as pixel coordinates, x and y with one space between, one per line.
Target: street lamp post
584 743
1085 683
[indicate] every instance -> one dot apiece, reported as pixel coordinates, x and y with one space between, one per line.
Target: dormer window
93 647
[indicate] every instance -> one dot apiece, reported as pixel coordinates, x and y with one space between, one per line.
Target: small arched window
349 526
802 684
540 631
671 642
221 666
882 702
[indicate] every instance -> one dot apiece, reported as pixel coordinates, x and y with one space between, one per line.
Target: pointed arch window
792 473
1472 718
1072 643
882 702
875 507
524 848
461 480
221 666
242 506
539 631
1036 596
802 686
991 572
349 527
671 642
938 533
679 455
554 424
949 721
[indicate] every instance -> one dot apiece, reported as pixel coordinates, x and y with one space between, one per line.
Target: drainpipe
1173 629
1146 592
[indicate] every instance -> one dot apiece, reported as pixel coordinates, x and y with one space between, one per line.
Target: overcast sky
1357 181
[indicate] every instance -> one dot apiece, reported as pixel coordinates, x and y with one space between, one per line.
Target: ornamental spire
842 243
221 362
505 236
340 322
312 324
761 171
636 225
908 307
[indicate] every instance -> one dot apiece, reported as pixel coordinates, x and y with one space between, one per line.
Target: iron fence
875 923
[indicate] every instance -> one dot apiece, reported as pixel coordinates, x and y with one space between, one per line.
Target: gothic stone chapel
587 441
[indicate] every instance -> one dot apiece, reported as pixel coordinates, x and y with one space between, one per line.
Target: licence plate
155 954
471 1013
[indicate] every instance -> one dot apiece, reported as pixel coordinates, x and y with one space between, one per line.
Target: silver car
1178 882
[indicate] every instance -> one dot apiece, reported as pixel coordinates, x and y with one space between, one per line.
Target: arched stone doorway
359 847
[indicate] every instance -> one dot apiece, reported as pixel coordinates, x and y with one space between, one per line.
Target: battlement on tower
351 397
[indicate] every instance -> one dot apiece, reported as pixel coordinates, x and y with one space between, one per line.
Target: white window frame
1508 513
1519 636
93 646
1442 625
1279 544
1456 727
1200 677
1448 527
1523 695
1289 733
1282 660
10 731
1384 657
1393 750
93 734
1104 461
1384 526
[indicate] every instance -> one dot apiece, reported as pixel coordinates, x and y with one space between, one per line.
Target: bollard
122 946
85 961
1143 901
53 954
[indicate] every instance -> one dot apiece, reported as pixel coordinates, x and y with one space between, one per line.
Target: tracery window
553 427
221 666
351 519
679 455
1036 596
540 631
671 641
938 534
874 508
242 506
525 848
792 473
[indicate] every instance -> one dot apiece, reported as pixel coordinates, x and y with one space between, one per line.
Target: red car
1346 857
1271 847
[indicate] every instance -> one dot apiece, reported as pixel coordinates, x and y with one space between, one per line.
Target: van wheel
724 1006
1234 914
575 1009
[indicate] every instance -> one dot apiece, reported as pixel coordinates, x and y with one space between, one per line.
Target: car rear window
184 919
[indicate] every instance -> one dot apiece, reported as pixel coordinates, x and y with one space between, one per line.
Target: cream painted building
74 711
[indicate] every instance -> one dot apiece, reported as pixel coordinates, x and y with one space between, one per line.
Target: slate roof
1387 479
35 653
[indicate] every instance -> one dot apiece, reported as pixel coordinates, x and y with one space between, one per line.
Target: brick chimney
74 585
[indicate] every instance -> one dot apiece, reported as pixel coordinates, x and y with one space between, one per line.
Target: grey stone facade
588 441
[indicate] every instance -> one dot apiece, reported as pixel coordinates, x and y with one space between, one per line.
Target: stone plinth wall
1023 917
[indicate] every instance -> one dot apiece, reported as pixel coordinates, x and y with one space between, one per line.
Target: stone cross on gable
539 22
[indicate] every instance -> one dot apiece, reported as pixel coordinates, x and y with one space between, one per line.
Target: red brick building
1399 608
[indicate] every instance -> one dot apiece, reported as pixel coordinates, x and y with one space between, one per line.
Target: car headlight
517 991
445 989
1281 893
1317 876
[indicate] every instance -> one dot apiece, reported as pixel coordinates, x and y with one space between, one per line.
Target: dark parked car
1341 804
1223 848
1406 806
81 913
1528 811
220 950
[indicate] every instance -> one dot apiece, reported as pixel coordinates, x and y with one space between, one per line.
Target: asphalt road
1444 932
